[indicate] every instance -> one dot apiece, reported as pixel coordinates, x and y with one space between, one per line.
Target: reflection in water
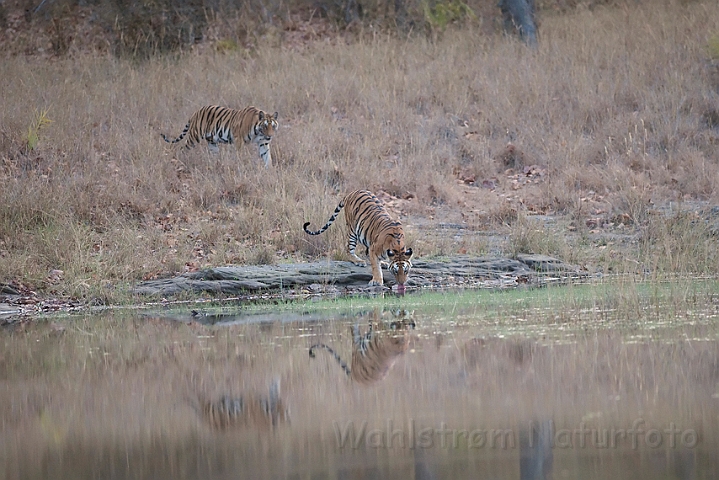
535 450
423 468
374 353
462 397
259 412
535 441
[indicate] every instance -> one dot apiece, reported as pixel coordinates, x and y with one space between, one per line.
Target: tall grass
616 104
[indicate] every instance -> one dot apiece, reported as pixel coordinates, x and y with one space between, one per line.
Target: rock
495 272
8 290
543 263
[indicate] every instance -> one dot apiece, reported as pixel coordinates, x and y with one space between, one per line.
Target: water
451 391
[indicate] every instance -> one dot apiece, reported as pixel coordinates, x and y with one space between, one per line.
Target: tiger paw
360 264
375 283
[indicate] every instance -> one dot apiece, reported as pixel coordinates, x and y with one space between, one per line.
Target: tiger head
267 124
399 263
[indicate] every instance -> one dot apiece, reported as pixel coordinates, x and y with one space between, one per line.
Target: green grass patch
618 298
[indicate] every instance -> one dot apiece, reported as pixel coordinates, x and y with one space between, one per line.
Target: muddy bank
337 276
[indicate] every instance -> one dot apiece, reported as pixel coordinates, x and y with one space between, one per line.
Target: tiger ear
261 115
390 253
275 115
408 252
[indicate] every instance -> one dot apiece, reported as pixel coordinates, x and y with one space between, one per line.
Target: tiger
218 124
374 353
370 224
258 412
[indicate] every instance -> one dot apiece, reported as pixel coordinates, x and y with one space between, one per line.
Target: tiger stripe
218 124
374 353
371 226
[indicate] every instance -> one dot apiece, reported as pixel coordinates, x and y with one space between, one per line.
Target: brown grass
616 109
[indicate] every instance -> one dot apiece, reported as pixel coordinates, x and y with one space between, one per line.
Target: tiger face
399 264
397 253
267 125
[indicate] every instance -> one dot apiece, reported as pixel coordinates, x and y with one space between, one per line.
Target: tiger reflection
374 353
258 412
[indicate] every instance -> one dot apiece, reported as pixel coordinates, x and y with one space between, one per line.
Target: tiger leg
361 342
272 406
376 270
265 154
368 336
352 248
356 339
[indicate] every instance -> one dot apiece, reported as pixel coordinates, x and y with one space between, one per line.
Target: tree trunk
400 14
353 11
519 16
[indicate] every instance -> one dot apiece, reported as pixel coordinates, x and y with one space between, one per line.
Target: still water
395 390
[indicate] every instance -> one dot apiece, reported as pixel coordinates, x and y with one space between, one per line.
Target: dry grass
618 108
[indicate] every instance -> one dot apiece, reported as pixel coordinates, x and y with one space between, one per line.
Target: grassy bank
616 114
615 303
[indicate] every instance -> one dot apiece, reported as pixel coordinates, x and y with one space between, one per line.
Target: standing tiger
370 224
226 125
373 353
263 412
